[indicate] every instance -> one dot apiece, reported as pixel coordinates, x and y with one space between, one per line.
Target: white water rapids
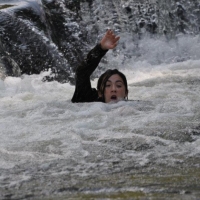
43 134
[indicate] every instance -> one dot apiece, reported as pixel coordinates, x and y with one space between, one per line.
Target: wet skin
115 89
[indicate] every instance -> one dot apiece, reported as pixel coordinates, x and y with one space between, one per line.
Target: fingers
112 34
116 38
113 37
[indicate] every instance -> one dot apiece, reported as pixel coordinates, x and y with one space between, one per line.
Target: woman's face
115 89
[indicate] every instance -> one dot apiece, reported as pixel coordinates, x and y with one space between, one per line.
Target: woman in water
112 84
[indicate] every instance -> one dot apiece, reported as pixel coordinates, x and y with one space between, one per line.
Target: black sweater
83 91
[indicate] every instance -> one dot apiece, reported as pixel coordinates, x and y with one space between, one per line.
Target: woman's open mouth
113 97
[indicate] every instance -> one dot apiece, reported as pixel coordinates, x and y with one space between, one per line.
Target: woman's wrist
103 48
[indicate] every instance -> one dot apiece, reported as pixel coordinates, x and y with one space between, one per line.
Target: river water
145 148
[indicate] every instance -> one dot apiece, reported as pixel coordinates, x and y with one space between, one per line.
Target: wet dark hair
101 84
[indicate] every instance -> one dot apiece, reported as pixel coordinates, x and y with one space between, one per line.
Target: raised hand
109 40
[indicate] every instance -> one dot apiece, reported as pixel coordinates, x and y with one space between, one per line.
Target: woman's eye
108 85
119 86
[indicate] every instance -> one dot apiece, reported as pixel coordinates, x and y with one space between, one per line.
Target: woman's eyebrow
119 81
116 81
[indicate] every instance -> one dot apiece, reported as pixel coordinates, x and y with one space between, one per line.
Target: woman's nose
113 87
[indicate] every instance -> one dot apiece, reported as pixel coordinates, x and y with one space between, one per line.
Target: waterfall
40 35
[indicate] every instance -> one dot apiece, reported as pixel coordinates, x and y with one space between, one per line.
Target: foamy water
33 111
43 134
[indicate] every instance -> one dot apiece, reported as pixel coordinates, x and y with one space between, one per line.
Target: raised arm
83 91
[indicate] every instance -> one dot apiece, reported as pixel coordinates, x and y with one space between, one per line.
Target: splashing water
145 148
102 149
